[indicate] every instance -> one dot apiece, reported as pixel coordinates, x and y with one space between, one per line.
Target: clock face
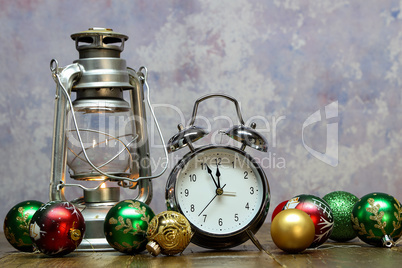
220 190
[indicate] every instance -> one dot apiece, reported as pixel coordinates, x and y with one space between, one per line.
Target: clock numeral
192 208
205 217
220 222
218 161
233 164
186 192
245 175
203 166
251 190
247 206
236 217
193 178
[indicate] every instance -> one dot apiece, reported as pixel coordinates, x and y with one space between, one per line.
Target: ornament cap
75 234
387 241
153 248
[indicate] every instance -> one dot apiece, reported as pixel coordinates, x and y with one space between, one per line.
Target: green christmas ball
341 204
126 226
377 219
16 224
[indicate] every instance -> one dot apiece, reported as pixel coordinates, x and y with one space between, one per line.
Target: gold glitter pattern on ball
169 232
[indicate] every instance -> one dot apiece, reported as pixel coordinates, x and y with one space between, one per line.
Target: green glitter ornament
341 204
16 224
377 219
126 225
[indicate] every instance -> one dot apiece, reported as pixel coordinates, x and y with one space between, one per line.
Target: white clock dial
220 191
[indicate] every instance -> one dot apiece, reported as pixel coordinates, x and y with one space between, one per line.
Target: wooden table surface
330 254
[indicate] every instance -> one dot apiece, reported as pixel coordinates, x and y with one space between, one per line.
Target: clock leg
255 240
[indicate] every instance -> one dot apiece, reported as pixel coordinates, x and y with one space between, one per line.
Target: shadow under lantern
99 135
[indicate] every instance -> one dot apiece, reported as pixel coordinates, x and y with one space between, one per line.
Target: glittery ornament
126 225
278 209
341 204
169 232
57 228
292 230
319 211
377 219
16 224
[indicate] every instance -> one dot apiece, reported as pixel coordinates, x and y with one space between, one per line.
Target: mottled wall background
282 60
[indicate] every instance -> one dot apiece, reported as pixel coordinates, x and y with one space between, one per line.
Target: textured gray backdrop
283 60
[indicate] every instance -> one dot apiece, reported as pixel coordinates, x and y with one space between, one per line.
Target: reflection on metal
248 137
185 136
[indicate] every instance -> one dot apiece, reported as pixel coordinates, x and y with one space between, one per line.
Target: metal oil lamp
99 135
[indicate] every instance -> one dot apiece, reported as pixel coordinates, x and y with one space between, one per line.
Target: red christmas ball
278 209
319 211
57 228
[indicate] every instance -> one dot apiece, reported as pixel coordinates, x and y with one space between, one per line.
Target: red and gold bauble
319 211
57 228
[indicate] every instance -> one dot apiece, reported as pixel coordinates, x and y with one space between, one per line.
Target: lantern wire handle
54 69
165 165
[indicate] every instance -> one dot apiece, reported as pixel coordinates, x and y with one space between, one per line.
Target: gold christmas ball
292 230
168 233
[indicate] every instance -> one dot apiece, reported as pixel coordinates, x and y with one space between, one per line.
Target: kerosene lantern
99 135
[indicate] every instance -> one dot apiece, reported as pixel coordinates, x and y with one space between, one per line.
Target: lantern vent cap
99 38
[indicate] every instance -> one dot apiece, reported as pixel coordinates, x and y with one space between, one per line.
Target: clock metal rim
211 240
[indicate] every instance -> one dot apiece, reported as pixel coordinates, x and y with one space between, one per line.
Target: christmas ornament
292 230
57 228
319 211
16 224
376 218
126 225
341 204
168 233
278 209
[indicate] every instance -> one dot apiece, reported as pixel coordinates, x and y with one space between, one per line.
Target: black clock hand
207 204
217 193
218 175
210 173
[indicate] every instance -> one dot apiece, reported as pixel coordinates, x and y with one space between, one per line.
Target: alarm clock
220 189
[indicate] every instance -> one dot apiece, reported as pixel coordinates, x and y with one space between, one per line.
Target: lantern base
94 244
94 216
